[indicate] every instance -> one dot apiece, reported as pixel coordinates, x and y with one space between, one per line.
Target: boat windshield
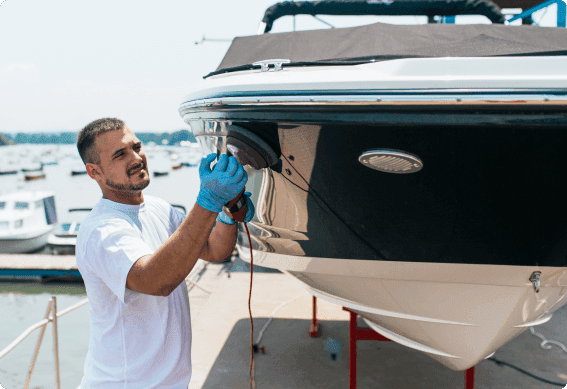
21 205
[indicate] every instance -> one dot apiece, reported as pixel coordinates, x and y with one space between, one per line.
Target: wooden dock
38 267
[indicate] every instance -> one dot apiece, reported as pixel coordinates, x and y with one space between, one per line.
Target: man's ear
93 170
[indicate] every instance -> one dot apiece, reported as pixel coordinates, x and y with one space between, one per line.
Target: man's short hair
87 136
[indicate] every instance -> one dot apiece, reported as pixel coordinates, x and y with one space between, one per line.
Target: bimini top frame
381 7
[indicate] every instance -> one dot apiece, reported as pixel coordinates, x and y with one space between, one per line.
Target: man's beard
131 187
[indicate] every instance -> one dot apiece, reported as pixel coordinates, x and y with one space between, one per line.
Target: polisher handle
236 208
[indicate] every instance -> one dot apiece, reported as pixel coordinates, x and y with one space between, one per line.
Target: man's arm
220 244
160 273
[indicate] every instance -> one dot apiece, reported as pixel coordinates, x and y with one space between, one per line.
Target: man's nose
138 156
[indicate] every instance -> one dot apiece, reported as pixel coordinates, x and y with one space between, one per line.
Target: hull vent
391 161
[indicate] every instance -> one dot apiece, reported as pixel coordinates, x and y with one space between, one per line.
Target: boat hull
62 245
439 260
486 195
24 245
457 314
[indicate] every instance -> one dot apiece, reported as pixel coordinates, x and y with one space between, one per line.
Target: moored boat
412 174
33 168
35 175
26 220
78 172
64 239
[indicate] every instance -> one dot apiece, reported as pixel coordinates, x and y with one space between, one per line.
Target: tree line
71 137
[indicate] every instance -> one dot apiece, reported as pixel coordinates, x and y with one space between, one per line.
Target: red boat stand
314 330
356 333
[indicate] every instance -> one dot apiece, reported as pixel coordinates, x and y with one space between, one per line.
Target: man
134 253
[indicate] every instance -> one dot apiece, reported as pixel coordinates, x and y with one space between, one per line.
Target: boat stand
355 334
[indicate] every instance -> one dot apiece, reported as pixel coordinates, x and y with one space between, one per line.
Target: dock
291 358
38 267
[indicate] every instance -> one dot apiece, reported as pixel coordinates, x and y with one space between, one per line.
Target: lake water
179 187
23 304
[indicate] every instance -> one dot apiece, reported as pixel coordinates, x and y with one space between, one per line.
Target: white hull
24 245
62 245
457 313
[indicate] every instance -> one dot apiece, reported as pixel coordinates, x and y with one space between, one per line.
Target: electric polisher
237 208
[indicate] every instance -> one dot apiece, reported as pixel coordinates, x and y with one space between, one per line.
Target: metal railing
51 315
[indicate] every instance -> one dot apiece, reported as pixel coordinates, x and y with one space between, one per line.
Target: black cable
368 244
499 362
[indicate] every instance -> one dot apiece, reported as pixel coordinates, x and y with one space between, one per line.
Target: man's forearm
161 272
221 243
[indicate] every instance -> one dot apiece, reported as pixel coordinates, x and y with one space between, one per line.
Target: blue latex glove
220 185
224 218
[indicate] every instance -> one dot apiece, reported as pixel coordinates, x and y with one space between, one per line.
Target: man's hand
160 273
222 184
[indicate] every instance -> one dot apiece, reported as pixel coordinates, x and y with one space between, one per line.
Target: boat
26 220
37 175
64 239
177 166
160 173
8 172
49 161
410 173
78 172
33 168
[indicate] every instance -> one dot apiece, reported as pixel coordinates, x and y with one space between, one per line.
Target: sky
64 63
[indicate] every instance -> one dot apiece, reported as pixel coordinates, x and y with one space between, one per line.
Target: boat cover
381 41
384 7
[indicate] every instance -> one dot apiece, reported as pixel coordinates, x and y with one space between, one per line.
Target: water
23 304
179 187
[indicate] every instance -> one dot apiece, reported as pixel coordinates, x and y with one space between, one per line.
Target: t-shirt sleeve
113 247
176 217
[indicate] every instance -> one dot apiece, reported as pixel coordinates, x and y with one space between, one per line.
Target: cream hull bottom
25 245
457 313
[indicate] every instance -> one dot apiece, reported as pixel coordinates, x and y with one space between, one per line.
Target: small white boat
26 220
64 240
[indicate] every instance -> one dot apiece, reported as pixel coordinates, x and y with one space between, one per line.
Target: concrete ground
292 359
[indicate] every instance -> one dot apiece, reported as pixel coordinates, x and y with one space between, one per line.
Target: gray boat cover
381 41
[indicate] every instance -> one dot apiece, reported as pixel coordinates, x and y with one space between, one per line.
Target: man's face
123 164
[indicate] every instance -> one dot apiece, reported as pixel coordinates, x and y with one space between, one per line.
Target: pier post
38 345
55 343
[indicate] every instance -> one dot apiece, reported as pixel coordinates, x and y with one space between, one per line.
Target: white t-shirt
136 340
